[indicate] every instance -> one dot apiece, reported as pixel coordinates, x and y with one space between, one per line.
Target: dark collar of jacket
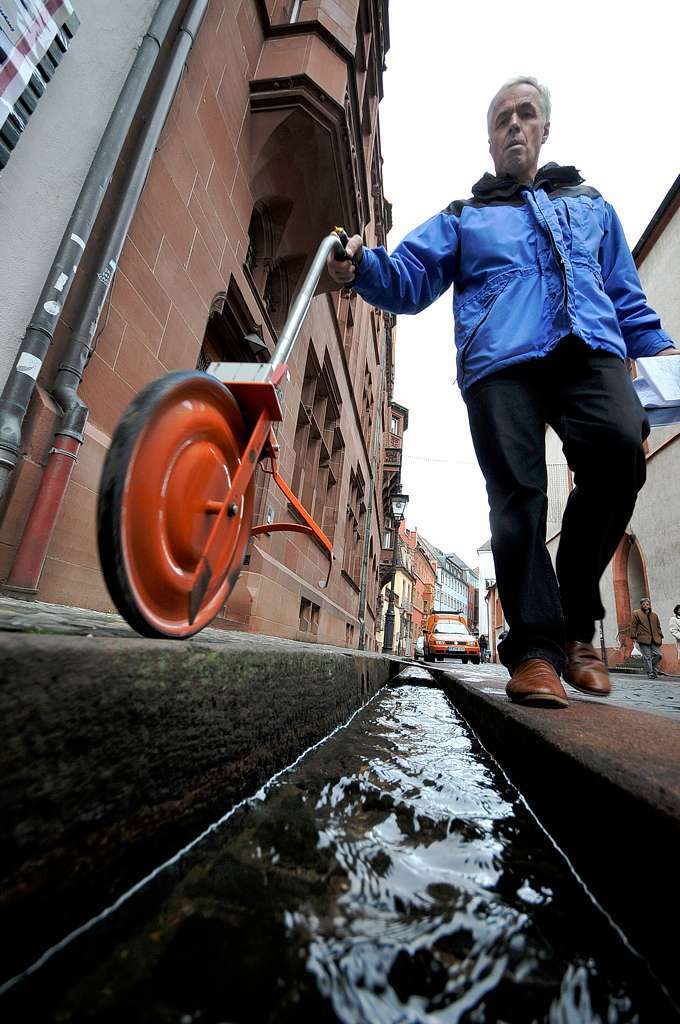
548 177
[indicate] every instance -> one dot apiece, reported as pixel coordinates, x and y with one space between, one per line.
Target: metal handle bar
293 323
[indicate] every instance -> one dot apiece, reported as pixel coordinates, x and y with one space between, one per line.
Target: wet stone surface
393 876
633 692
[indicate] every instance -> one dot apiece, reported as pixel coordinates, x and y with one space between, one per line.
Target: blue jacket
528 265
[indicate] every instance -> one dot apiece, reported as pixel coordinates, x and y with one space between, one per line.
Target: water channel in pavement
392 876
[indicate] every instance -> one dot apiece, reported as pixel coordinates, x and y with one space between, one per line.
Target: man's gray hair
542 91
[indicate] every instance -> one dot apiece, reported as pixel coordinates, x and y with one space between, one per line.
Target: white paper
657 383
662 375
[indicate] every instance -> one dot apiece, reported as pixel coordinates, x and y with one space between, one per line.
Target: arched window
231 334
273 276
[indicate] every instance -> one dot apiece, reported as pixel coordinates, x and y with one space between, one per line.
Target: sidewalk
659 696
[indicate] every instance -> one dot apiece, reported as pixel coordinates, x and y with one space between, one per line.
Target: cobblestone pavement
660 696
61 620
40 617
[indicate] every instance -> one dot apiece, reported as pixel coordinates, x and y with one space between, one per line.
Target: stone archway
629 574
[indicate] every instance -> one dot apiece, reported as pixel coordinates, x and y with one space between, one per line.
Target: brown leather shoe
585 671
537 683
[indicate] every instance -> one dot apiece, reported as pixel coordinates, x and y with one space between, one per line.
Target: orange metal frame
259 403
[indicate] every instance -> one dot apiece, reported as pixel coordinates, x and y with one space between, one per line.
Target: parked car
447 636
419 649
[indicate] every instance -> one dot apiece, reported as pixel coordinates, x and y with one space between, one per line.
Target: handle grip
341 254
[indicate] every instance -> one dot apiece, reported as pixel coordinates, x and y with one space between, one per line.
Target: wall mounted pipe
39 334
375 460
79 346
35 541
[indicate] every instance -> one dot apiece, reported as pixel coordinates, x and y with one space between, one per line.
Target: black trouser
588 399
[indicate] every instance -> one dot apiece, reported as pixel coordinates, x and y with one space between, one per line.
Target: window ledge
353 585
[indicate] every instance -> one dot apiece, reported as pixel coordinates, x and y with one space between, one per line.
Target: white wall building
37 195
647 562
487 575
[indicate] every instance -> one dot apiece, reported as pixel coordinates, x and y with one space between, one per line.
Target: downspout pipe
70 433
375 460
39 333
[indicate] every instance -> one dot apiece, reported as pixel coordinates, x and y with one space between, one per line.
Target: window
309 617
229 322
319 445
394 427
273 279
367 406
349 634
345 312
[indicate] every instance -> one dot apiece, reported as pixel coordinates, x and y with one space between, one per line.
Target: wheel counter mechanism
175 506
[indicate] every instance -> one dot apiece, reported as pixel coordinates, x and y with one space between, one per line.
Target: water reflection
393 877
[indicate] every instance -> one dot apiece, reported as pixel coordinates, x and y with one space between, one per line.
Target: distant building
472 580
403 637
400 569
451 587
486 578
425 579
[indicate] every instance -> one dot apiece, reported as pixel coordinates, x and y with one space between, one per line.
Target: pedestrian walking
482 648
547 304
674 627
645 629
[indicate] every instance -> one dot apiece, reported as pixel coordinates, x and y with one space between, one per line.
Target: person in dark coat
645 629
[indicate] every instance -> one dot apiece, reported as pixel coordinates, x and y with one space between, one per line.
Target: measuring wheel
171 464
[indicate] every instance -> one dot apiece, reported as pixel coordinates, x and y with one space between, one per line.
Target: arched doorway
631 583
637 578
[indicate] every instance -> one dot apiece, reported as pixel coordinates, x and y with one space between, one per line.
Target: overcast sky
614 74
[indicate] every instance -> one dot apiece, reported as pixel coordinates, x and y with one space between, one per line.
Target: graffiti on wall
34 36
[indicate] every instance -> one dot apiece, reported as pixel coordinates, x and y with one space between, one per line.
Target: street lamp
398 503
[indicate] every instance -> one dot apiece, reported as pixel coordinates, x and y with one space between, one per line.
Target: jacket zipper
556 253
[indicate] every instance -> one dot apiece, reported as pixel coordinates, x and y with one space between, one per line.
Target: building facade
396 566
425 579
472 580
273 137
404 582
451 585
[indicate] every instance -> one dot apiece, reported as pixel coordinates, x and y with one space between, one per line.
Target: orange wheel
171 463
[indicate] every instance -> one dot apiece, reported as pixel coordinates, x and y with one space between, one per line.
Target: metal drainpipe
70 433
39 334
369 511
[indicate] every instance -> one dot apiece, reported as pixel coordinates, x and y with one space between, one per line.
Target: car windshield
450 629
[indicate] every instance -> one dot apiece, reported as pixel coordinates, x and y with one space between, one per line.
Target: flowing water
392 876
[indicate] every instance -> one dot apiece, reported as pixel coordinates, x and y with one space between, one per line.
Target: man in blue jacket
547 305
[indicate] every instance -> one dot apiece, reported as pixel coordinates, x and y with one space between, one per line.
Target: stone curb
115 752
605 783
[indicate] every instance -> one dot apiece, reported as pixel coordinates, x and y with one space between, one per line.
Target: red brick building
273 137
425 577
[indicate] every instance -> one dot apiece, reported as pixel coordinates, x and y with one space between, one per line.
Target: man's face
517 130
645 605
